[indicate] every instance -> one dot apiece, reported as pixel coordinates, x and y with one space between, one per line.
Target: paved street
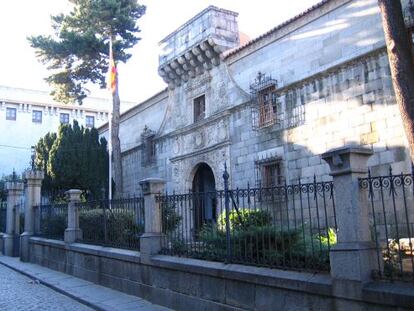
18 292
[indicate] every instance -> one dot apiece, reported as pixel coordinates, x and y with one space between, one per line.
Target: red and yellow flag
112 71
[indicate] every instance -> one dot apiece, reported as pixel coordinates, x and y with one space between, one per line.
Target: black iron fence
289 226
53 220
3 215
392 219
116 223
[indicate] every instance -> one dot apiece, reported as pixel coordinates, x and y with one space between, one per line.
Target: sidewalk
87 293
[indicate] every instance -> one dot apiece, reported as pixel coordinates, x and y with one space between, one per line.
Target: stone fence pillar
73 232
150 242
32 198
353 257
11 238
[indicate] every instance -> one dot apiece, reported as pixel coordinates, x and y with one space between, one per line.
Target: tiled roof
271 31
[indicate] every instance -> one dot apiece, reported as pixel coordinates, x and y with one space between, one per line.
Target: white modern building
28 115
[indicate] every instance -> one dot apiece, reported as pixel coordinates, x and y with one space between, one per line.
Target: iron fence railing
289 226
53 220
116 223
392 219
3 215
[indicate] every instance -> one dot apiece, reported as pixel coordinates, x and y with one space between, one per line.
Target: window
64 118
269 173
267 102
10 113
148 151
90 121
199 108
36 116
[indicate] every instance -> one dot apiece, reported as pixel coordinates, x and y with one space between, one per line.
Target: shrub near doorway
255 240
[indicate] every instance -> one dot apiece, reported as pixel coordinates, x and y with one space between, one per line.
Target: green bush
329 239
244 218
255 240
54 226
122 229
170 219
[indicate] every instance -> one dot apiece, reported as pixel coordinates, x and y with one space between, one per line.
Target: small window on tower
199 108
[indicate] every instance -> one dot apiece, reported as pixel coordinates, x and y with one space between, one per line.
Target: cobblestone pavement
18 292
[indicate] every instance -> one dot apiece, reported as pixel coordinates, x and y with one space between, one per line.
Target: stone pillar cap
73 191
14 185
36 174
347 149
152 185
152 180
347 160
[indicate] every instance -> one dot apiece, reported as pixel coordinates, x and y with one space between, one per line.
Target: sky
138 78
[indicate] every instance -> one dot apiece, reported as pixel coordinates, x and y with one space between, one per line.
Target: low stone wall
189 284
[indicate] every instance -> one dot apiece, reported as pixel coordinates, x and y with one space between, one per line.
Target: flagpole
110 126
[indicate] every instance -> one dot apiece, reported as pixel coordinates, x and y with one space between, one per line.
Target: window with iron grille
10 113
90 121
64 118
266 110
295 109
267 107
199 108
270 178
273 108
148 154
36 116
270 174
149 151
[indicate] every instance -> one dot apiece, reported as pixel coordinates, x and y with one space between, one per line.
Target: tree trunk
401 63
116 144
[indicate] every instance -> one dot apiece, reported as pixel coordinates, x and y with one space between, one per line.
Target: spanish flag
112 70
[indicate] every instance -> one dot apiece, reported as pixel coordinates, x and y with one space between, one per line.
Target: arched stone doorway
204 186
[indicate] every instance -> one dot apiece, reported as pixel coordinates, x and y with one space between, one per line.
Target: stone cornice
195 126
201 151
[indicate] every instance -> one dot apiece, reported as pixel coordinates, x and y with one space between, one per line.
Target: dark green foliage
78 51
122 229
170 219
74 158
43 148
244 218
54 226
254 239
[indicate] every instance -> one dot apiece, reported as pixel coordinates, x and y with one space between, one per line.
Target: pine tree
78 54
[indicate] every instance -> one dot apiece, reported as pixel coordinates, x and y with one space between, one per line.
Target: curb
55 288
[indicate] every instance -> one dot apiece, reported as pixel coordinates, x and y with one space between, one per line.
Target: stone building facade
269 107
